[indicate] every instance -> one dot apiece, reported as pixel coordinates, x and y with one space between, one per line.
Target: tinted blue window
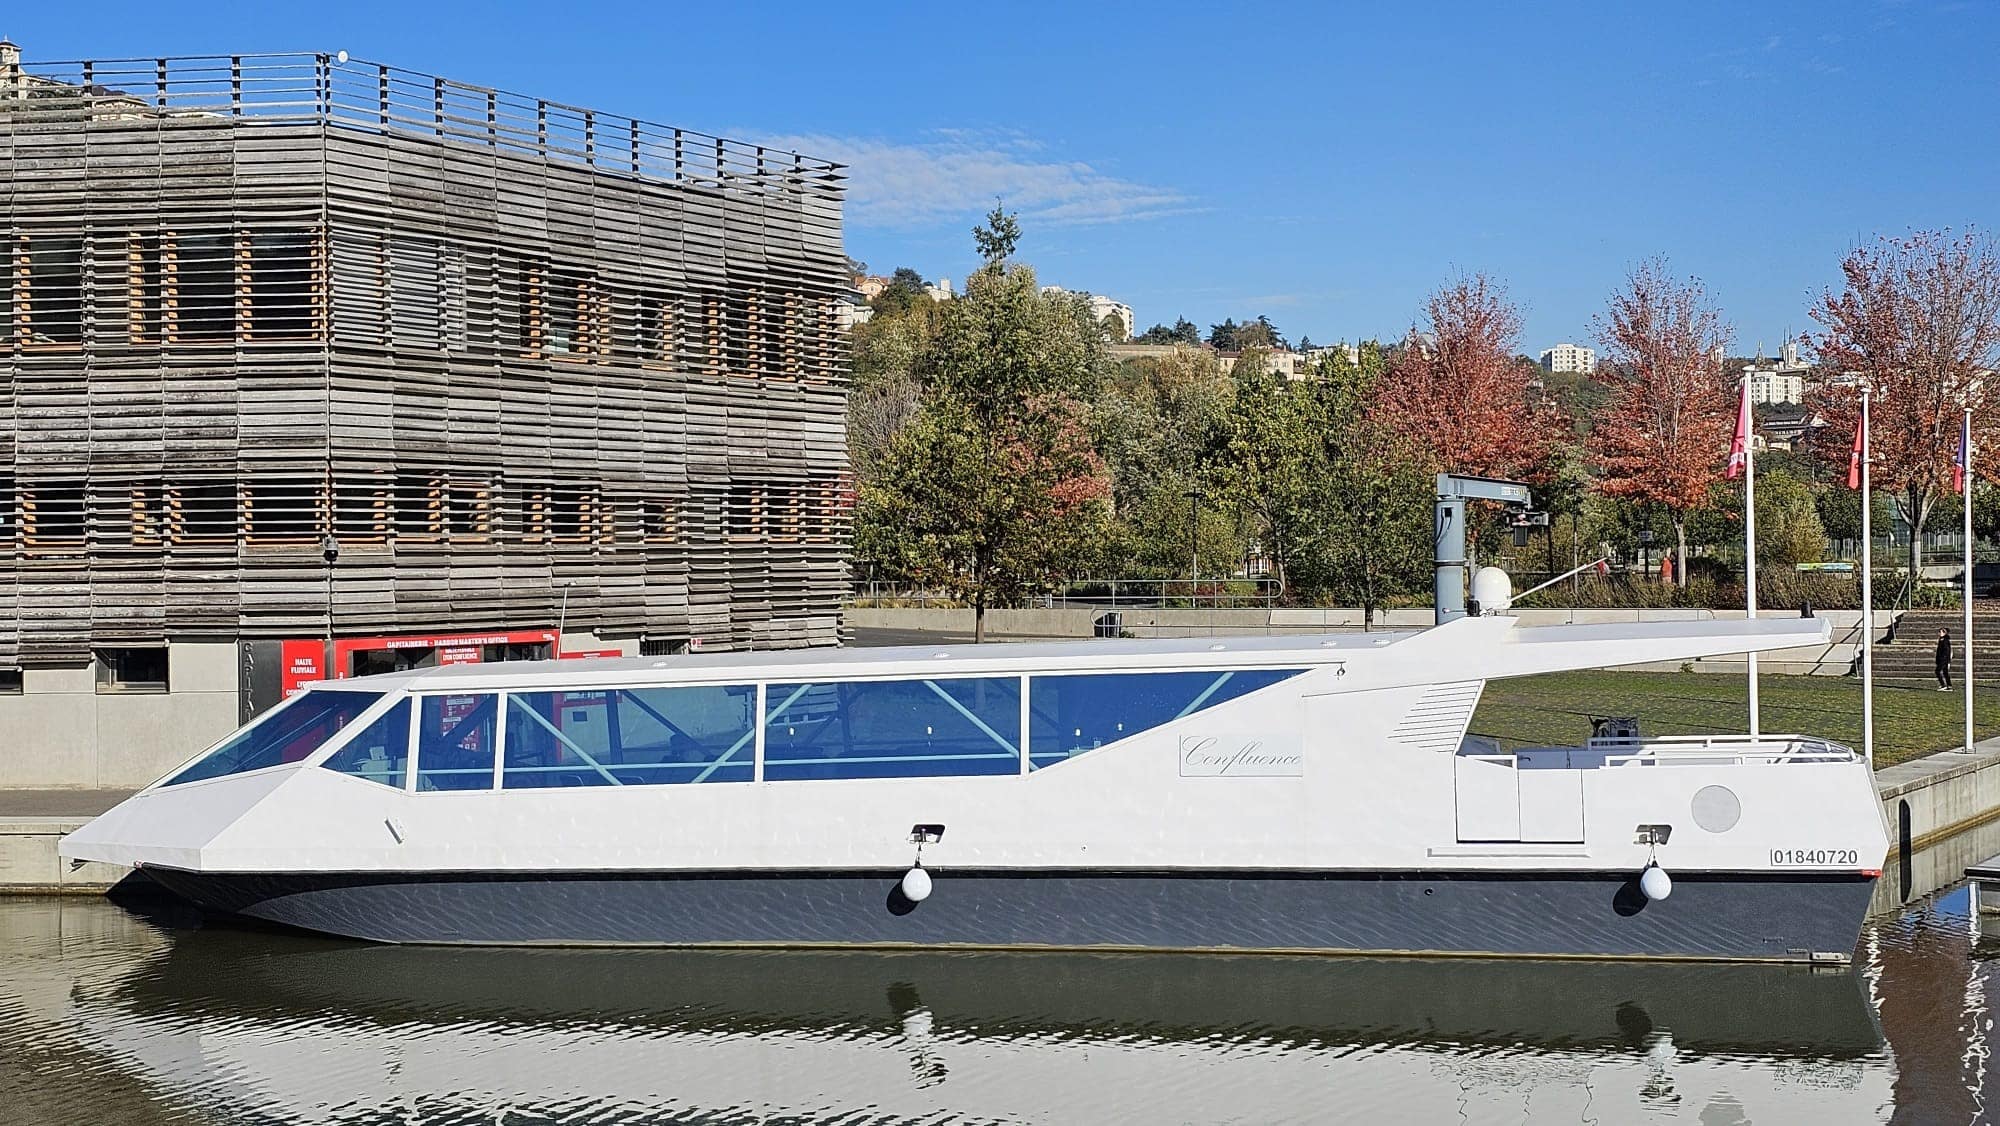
631 737
290 732
892 729
379 752
455 742
1068 715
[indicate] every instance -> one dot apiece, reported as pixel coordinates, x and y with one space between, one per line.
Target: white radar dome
1492 589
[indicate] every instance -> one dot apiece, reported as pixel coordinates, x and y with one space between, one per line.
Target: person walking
1944 660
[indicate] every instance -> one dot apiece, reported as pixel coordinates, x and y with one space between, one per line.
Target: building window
746 512
8 281
419 507
655 330
361 509
416 303
49 305
576 515
468 508
525 279
138 669
662 646
53 518
534 513
713 332
143 274
202 513
10 513
283 511
10 682
660 520
784 517
283 287
200 289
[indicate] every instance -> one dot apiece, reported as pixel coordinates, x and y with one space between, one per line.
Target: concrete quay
31 822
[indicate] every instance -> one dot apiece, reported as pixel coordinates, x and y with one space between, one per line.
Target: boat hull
1751 916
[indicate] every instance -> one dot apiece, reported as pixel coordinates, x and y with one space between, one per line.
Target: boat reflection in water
255 1026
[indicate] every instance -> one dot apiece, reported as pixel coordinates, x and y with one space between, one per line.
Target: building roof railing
332 89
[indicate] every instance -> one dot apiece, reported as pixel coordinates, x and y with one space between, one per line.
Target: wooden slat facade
498 347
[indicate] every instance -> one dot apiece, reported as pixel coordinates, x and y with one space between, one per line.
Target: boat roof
899 660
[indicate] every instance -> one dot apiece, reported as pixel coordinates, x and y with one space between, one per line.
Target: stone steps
1911 656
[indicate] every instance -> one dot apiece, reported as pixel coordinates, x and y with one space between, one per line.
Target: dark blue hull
1789 916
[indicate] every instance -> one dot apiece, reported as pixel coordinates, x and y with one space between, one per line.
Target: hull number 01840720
1808 857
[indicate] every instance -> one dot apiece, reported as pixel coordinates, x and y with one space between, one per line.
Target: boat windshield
295 729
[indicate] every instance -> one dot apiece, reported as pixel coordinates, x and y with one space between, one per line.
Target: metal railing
335 90
1692 750
1106 594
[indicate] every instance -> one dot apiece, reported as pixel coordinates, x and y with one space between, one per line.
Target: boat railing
1675 750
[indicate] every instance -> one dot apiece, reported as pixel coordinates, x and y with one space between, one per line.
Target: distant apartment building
1782 381
315 368
1104 310
1567 357
1351 352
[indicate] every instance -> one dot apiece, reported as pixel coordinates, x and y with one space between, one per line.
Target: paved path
57 805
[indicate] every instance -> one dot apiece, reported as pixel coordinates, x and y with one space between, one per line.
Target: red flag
1854 458
1739 450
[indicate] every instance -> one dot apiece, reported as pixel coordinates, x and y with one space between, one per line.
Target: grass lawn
1556 709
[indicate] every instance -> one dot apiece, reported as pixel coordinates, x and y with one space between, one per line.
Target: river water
110 1017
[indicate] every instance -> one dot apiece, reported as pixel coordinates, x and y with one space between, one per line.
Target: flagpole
1965 491
1750 545
1867 596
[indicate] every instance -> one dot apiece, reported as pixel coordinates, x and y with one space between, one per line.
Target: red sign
577 654
300 661
452 648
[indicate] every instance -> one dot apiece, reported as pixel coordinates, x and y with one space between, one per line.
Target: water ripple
113 1020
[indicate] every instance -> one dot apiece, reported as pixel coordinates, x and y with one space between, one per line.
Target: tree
1222 337
1664 431
998 237
1789 531
1370 498
1455 394
905 291
1266 464
994 489
1918 320
856 268
1186 332
1255 334
1158 334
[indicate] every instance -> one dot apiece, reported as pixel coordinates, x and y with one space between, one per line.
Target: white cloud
894 184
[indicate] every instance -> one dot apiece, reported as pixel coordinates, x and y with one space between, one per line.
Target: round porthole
1716 808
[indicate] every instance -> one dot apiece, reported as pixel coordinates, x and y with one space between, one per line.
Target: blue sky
1324 165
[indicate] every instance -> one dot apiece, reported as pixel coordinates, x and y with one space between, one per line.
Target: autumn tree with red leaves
1456 394
1664 433
1918 321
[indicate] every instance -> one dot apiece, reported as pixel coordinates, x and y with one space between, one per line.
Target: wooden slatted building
530 368
521 361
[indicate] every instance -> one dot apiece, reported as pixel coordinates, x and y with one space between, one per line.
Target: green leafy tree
995 490
998 237
1222 337
1186 332
1788 525
1266 463
1369 501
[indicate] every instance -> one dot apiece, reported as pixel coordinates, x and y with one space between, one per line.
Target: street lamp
329 550
1194 545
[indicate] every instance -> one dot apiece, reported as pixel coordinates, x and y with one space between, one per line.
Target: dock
31 822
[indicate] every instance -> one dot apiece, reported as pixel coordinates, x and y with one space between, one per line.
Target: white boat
1313 793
